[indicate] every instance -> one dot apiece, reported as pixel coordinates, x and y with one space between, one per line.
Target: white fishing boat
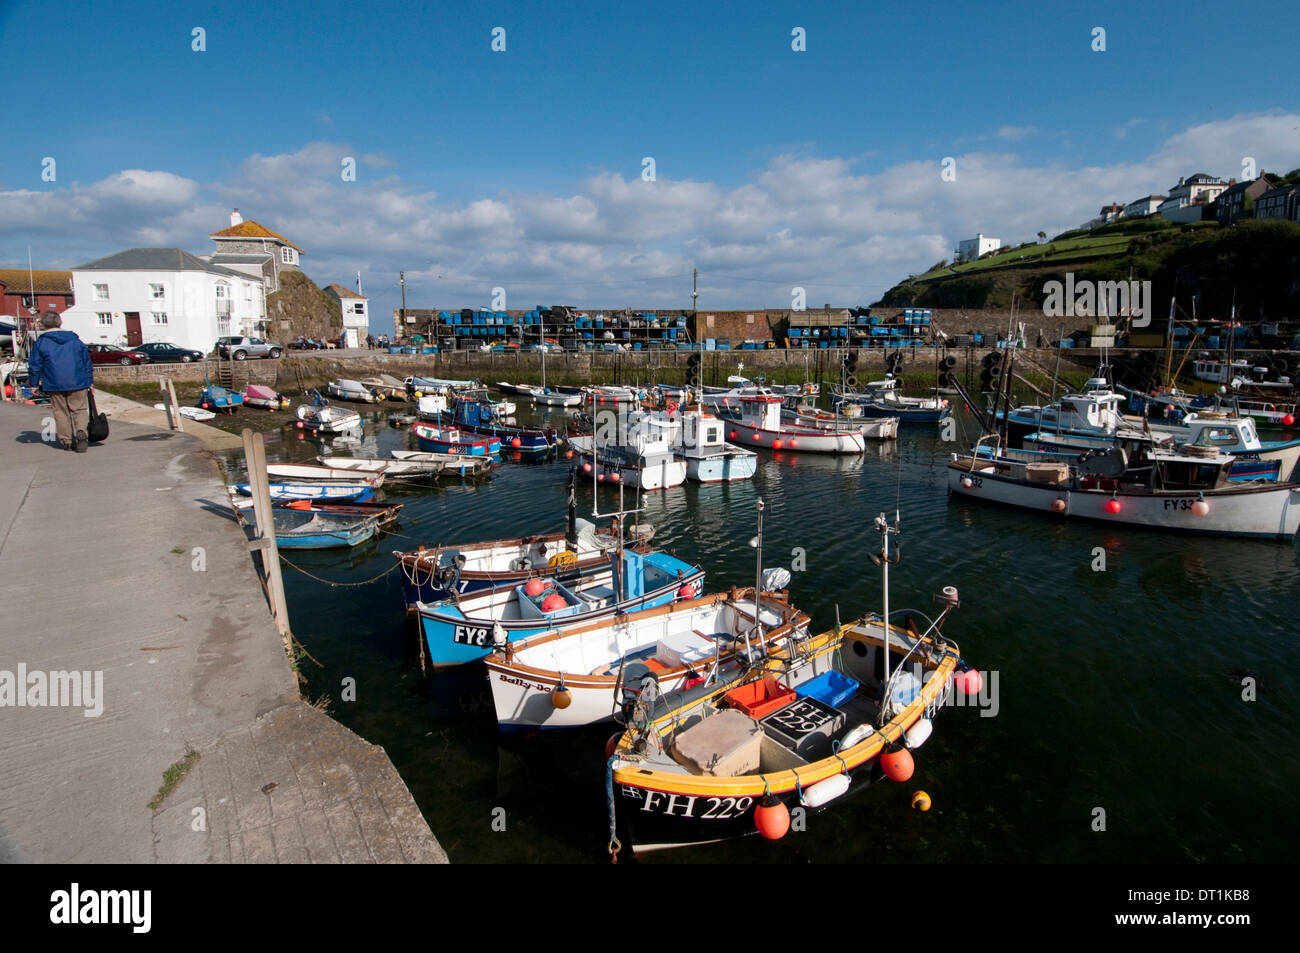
392 469
757 423
190 413
568 678
385 386
871 428
431 406
550 398
647 462
1178 490
295 472
709 458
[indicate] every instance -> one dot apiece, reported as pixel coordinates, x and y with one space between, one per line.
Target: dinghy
295 472
351 390
384 512
336 491
402 420
322 417
256 395
217 398
391 469
813 719
451 462
190 413
385 387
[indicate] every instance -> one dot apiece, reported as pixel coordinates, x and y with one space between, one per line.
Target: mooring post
178 421
255 461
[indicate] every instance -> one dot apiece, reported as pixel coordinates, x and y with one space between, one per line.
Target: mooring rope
338 585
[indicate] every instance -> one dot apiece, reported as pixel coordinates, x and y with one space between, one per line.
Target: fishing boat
322 417
451 462
402 420
478 416
548 398
440 572
571 677
256 395
519 390
431 407
874 428
758 422
415 386
1177 490
355 391
384 512
468 627
332 490
815 718
883 399
216 398
299 472
646 462
709 458
440 439
610 395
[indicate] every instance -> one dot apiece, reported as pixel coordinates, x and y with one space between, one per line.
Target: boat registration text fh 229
700 807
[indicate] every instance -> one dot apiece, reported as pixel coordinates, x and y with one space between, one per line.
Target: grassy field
1071 249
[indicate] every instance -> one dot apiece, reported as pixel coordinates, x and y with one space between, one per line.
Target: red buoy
534 587
776 444
685 592
516 443
1113 507
586 468
613 477
772 817
552 602
794 442
968 682
897 765
1058 505
1288 420
732 435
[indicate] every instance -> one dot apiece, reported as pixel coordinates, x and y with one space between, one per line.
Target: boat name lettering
470 635
523 684
681 805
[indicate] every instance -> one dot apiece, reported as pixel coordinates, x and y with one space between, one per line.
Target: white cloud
1015 132
844 233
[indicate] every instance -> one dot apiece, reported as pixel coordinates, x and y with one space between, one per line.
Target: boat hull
802 441
1266 511
722 467
434 440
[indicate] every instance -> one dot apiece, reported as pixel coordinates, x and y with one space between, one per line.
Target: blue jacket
59 362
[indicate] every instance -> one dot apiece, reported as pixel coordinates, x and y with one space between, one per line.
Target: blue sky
523 169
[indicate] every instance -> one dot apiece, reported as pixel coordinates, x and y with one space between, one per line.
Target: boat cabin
761 411
1222 433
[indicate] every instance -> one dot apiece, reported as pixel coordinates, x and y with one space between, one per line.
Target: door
133 336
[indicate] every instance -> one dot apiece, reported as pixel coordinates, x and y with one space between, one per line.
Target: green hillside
1255 264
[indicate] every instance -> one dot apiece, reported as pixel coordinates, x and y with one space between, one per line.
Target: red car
112 354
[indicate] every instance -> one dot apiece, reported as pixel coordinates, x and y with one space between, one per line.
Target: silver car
242 348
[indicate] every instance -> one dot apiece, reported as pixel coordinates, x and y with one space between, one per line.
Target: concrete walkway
111 564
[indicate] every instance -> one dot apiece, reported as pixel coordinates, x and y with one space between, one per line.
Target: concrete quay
119 567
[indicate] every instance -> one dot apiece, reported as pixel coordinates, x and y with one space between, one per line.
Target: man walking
59 365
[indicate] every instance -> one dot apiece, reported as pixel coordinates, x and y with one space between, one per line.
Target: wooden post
167 404
178 420
255 461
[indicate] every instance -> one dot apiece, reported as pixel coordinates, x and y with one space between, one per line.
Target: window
358 308
157 291
101 292
286 255
160 317
105 319
222 290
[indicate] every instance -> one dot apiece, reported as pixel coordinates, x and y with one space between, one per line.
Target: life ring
563 559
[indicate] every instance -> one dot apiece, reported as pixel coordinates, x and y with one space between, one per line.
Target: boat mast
758 579
882 525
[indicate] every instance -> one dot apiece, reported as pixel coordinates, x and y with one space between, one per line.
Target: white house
973 248
1146 205
1188 198
162 294
356 314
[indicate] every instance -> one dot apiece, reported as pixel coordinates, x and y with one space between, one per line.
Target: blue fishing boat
217 398
467 628
439 439
336 492
478 416
297 529
883 399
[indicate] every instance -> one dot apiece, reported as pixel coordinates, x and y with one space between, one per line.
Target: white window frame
157 291
104 319
101 292
222 291
159 318
286 255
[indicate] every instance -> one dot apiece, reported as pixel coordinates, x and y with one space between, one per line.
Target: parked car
160 352
241 348
112 354
306 344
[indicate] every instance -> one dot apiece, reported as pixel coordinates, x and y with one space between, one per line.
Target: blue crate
831 689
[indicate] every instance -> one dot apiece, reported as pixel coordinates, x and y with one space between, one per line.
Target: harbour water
1119 691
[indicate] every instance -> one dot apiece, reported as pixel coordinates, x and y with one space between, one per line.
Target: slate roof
251 229
156 259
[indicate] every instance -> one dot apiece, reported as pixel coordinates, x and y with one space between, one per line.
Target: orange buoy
552 602
897 765
920 801
685 592
561 698
534 587
516 442
772 817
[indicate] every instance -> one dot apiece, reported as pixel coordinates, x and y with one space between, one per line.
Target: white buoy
823 792
919 733
856 735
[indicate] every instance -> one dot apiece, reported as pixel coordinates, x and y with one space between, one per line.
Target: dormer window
287 255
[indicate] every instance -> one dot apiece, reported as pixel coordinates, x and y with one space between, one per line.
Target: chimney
235 218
